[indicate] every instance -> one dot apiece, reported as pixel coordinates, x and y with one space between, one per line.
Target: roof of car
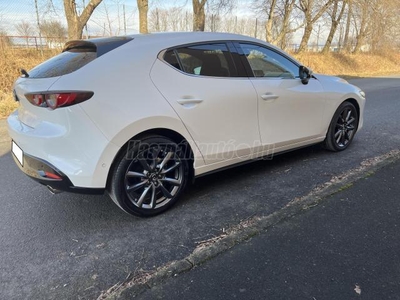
169 39
194 35
163 40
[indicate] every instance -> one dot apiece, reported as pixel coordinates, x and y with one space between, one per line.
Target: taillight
37 100
59 99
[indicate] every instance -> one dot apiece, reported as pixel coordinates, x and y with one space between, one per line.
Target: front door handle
269 96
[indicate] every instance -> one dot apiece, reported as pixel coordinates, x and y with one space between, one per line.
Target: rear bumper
48 175
71 145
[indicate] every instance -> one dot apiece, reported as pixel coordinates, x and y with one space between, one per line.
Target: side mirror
304 74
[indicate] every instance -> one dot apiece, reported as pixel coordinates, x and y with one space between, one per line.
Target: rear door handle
269 96
189 101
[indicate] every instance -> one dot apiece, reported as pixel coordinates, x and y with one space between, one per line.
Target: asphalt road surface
69 246
345 248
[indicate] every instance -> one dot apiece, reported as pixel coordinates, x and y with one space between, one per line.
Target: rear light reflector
49 175
54 100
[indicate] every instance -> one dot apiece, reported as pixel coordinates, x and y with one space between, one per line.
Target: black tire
149 176
343 127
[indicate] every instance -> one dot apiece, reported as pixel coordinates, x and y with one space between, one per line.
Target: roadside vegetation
11 62
341 64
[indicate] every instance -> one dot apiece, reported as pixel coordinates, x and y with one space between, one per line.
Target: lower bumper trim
40 171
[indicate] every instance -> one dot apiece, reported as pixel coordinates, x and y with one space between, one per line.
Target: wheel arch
357 106
327 143
169 133
333 106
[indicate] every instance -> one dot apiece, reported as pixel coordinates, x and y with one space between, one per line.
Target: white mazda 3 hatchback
140 116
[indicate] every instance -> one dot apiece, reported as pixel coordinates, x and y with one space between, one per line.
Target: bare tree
346 41
53 29
361 17
270 21
108 20
4 39
199 15
143 6
25 29
312 12
279 24
54 32
215 7
178 19
335 20
154 20
383 25
76 22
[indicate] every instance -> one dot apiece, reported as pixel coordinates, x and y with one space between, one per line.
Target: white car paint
135 91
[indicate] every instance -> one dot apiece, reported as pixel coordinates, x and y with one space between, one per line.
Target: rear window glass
64 63
76 54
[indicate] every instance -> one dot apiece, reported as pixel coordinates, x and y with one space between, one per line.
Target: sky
13 12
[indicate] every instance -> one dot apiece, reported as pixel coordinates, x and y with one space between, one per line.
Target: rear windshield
64 63
75 55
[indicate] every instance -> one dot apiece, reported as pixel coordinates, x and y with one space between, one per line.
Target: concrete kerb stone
247 229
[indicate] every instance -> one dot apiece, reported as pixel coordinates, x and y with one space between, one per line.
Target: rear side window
75 55
171 58
206 60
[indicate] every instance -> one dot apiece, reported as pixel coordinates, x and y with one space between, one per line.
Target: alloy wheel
345 127
154 177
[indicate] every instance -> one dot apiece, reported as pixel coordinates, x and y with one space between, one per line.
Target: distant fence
32 42
38 43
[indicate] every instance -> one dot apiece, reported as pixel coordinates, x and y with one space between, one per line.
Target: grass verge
352 65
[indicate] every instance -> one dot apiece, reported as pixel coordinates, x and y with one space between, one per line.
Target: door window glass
268 63
205 60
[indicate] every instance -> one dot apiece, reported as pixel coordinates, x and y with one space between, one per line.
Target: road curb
245 230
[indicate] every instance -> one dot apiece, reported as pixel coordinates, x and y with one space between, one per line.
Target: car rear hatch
39 80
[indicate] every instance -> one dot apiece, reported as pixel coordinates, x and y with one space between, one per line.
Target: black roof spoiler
99 45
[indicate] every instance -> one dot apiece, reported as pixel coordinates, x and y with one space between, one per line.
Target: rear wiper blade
24 72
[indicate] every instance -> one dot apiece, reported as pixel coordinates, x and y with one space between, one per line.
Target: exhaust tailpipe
53 190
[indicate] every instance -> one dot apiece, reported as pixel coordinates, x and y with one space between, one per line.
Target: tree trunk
270 22
75 22
143 6
286 29
335 23
306 37
361 35
199 15
360 43
307 8
346 43
74 30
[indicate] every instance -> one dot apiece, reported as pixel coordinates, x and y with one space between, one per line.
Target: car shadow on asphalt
234 176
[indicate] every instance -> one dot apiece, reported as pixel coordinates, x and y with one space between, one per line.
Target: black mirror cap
304 74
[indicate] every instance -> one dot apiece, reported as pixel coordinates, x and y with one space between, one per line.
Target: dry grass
11 61
7 104
352 65
361 65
